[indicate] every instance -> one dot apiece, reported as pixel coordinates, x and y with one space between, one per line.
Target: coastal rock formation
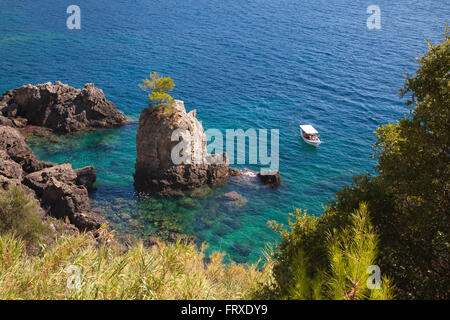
270 178
61 191
14 144
5 121
59 107
33 165
156 171
8 168
253 179
86 176
62 195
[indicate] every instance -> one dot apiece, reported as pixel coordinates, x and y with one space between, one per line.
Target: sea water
262 64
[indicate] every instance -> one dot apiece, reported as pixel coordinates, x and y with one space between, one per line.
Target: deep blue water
242 64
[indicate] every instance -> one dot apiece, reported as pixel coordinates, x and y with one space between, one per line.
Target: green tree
409 199
350 252
158 88
414 164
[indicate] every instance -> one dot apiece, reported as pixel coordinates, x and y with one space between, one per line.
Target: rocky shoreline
62 192
59 107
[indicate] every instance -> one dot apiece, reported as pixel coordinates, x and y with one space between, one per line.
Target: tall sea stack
157 170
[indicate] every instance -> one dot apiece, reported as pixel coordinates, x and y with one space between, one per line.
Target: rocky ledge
250 177
61 191
58 107
156 171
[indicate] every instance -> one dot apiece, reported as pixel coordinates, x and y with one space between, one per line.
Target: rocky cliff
60 190
161 135
58 107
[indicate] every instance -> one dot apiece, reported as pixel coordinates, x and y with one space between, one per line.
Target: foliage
414 165
349 251
19 214
158 88
352 252
409 199
164 271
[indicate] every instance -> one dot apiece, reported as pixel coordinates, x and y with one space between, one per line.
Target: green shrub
19 214
348 252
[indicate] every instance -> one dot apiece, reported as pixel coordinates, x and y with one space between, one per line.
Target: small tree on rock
158 88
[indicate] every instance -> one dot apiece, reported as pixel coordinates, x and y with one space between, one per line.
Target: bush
19 214
342 274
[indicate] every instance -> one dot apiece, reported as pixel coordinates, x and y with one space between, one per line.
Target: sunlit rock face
171 152
61 191
59 107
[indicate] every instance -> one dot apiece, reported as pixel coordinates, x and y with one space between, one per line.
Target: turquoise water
241 64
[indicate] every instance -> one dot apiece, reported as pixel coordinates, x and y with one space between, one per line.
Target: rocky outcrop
234 172
63 196
33 165
163 165
59 107
252 179
86 176
5 121
9 168
40 180
61 191
14 144
270 178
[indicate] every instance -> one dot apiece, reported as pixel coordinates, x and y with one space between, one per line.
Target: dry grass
164 271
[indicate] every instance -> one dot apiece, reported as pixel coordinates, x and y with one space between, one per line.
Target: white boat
309 134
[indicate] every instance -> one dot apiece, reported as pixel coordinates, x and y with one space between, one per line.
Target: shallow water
241 64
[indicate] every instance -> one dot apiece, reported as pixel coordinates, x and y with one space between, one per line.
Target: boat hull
312 142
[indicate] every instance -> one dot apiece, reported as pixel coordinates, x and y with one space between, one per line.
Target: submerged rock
59 107
231 196
233 200
201 193
156 171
